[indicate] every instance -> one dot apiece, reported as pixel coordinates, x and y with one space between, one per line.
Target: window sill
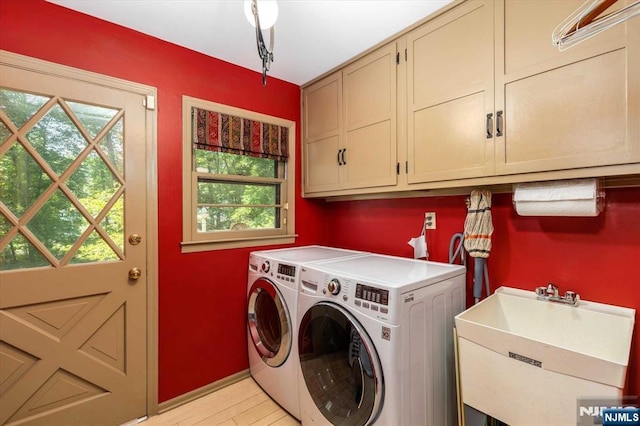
198 246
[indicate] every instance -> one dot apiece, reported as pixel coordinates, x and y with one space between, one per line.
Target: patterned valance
214 131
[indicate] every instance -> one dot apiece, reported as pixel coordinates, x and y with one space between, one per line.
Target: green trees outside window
40 138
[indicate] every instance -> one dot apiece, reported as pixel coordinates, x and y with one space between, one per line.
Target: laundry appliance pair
371 342
272 294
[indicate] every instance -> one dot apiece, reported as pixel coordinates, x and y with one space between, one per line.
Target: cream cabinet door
322 127
369 116
449 95
562 110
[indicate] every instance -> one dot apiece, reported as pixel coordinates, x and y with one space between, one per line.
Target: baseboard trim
200 392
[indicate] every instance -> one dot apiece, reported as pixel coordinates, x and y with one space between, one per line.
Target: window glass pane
57 139
217 192
93 183
94 249
20 253
22 180
113 223
233 164
237 218
112 144
20 106
4 133
92 117
58 224
5 226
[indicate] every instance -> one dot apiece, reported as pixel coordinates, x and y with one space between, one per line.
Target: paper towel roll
580 197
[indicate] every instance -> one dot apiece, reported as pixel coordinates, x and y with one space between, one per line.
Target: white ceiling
311 36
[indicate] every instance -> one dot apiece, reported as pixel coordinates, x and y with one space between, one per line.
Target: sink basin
542 354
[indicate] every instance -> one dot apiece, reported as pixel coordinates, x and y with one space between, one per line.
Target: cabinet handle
338 157
344 151
499 123
489 125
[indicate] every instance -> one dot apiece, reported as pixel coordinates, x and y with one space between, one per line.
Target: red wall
202 296
596 257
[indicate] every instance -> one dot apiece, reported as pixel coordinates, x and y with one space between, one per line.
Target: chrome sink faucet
550 293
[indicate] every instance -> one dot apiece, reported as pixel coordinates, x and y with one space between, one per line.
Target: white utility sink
529 361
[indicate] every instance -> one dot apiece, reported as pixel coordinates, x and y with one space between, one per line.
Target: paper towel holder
591 190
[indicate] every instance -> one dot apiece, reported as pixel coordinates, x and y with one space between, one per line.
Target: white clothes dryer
375 341
272 295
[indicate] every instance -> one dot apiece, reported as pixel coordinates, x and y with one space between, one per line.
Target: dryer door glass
340 365
269 323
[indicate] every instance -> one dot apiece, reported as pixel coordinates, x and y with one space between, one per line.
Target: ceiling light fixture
267 17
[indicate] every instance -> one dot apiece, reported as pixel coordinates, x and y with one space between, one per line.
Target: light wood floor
240 404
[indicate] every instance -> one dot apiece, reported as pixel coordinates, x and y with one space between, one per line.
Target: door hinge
397 168
398 58
149 102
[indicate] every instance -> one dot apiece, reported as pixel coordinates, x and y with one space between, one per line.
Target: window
238 177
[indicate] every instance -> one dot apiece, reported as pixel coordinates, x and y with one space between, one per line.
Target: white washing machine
375 341
272 294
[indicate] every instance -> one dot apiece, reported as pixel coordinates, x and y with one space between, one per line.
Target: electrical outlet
430 220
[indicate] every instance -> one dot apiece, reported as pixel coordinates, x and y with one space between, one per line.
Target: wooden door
72 192
370 120
562 110
449 94
322 115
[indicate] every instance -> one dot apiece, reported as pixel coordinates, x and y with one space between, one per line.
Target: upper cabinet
350 126
321 134
563 110
474 96
450 95
369 111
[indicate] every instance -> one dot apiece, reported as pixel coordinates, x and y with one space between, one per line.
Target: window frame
194 241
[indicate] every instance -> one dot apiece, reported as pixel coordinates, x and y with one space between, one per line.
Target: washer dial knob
266 266
334 286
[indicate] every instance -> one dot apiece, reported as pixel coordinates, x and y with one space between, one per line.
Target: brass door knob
134 273
134 239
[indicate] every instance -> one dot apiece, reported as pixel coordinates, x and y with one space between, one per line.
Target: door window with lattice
62 181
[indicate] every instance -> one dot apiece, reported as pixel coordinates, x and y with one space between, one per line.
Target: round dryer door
269 322
340 365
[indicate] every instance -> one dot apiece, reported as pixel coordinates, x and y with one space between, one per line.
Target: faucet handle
541 291
572 296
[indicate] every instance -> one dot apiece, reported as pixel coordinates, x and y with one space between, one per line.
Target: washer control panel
372 294
370 299
272 268
288 270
